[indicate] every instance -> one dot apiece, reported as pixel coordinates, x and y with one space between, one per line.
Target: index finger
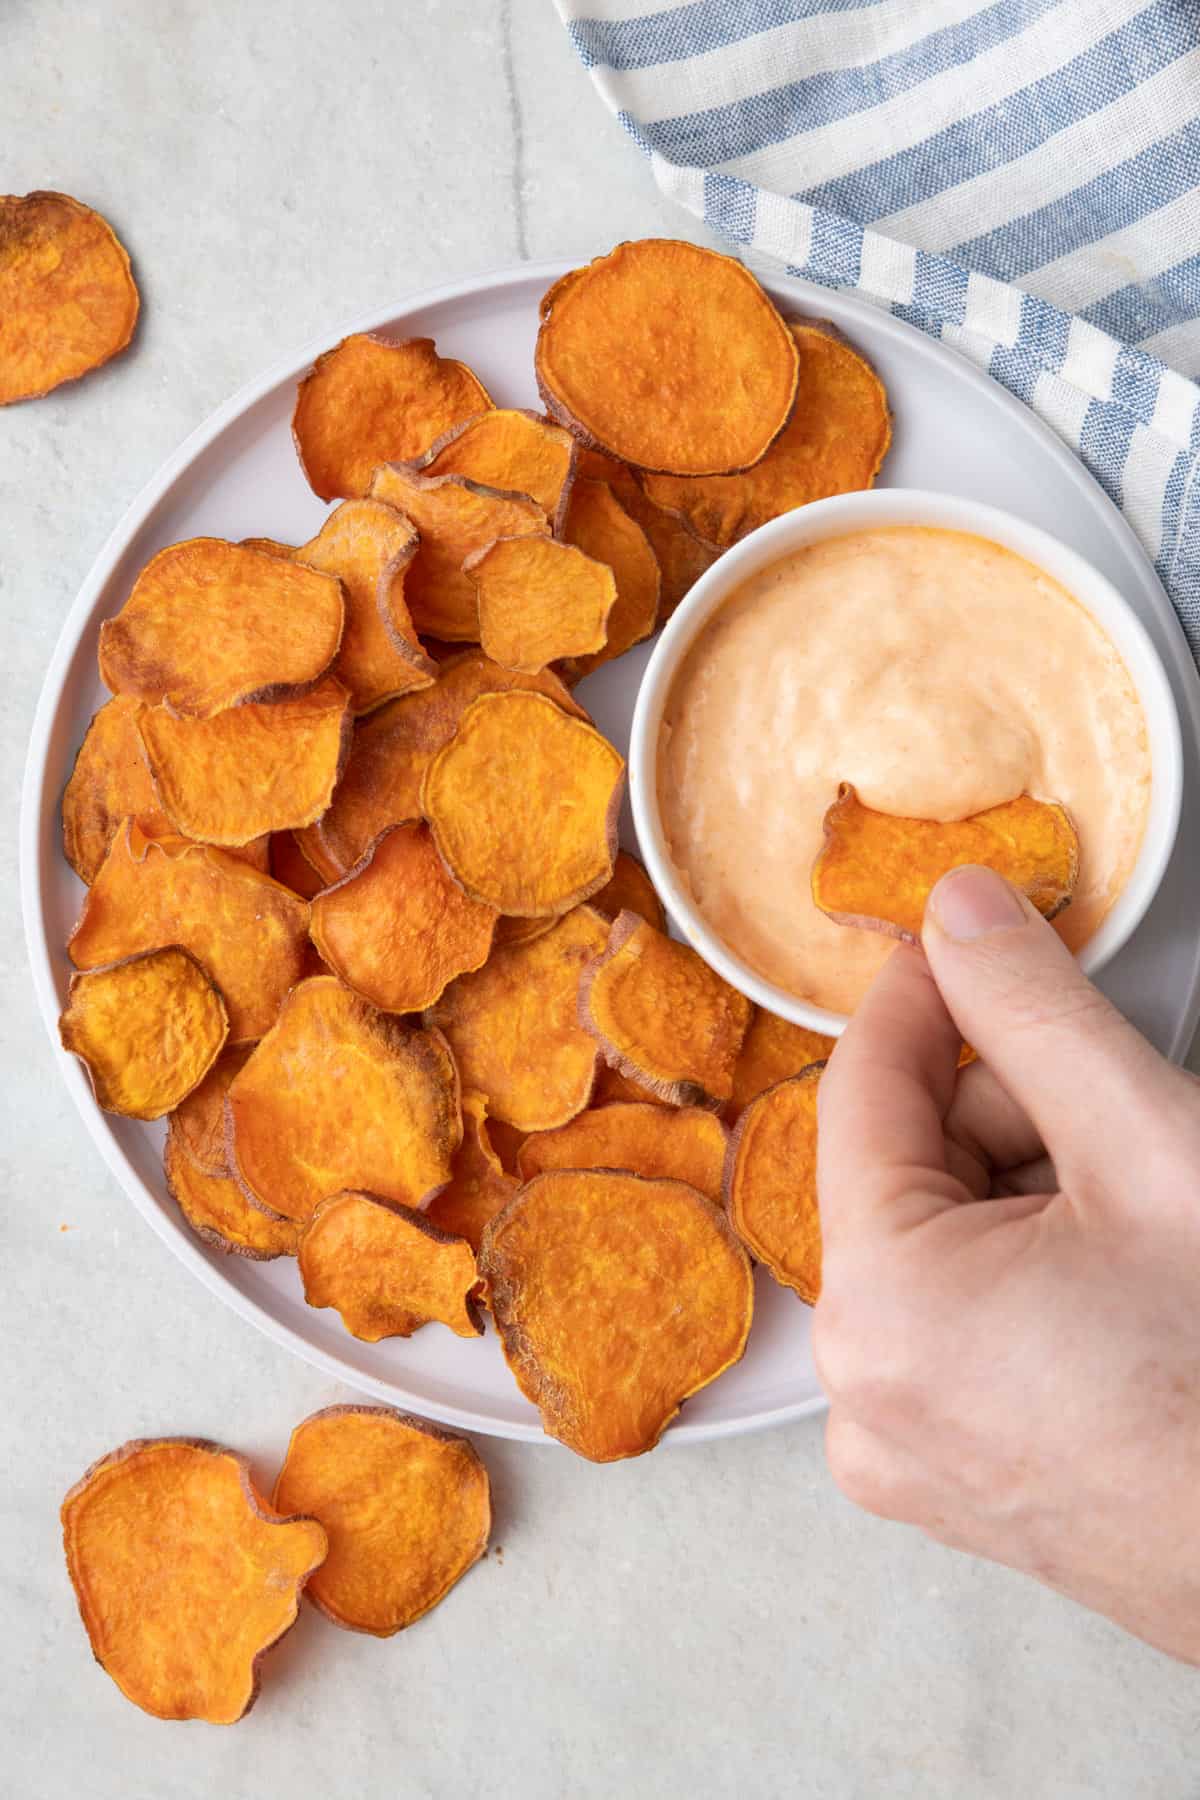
881 1150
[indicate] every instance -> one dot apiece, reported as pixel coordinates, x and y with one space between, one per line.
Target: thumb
1082 1073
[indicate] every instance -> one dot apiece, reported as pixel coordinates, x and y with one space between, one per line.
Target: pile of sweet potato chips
186 1575
357 920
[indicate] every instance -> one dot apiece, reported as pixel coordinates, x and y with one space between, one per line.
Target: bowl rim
837 517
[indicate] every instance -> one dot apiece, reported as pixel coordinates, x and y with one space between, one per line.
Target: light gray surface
715 1620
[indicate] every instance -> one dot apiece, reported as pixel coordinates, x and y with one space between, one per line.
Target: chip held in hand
877 871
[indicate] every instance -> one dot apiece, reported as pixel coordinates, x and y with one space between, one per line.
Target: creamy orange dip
939 673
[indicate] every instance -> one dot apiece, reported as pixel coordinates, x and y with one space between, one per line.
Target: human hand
1009 1324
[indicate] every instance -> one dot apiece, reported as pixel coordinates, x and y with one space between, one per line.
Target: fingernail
969 902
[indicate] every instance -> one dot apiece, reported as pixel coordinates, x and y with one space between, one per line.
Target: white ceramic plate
237 476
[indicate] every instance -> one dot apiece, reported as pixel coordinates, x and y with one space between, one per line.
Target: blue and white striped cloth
1018 177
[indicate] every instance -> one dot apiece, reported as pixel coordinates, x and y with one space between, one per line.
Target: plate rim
34 787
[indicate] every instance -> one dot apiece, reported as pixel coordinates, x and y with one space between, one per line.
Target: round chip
68 301
509 448
407 1507
387 1269
218 1211
773 1050
184 1577
540 601
210 625
397 928
338 1095
523 804
667 356
367 402
770 1182
110 782
146 1029
615 1297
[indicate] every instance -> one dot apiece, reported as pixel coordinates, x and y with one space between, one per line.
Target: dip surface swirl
941 674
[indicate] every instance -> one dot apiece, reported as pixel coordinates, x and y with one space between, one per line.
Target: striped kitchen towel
1018 177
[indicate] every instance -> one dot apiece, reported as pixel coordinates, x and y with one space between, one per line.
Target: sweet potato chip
771 1182
838 436
251 769
680 555
523 802
506 1142
68 301
370 548
667 356
599 525
246 930
455 517
407 1507
198 1123
683 1143
368 401
661 1016
337 1096
479 1185
397 928
630 889
508 448
616 1297
540 601
386 1269
877 871
184 1577
210 625
218 1211
514 1029
390 751
289 865
110 782
772 1050
146 1029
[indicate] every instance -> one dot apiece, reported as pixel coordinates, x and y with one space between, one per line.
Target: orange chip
368 401
838 436
540 600
218 1211
110 782
508 448
249 770
680 555
390 751
455 517
616 1297
771 1182
772 1050
661 1016
630 889
523 802
68 301
289 865
146 1029
184 1577
245 929
877 871
598 524
684 1143
513 1027
479 1186
407 1507
370 548
198 1123
397 928
210 625
506 1141
667 356
337 1096
386 1269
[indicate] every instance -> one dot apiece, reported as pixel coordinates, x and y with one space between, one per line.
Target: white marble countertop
715 1621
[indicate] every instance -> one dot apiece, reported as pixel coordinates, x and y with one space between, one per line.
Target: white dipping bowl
867 511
